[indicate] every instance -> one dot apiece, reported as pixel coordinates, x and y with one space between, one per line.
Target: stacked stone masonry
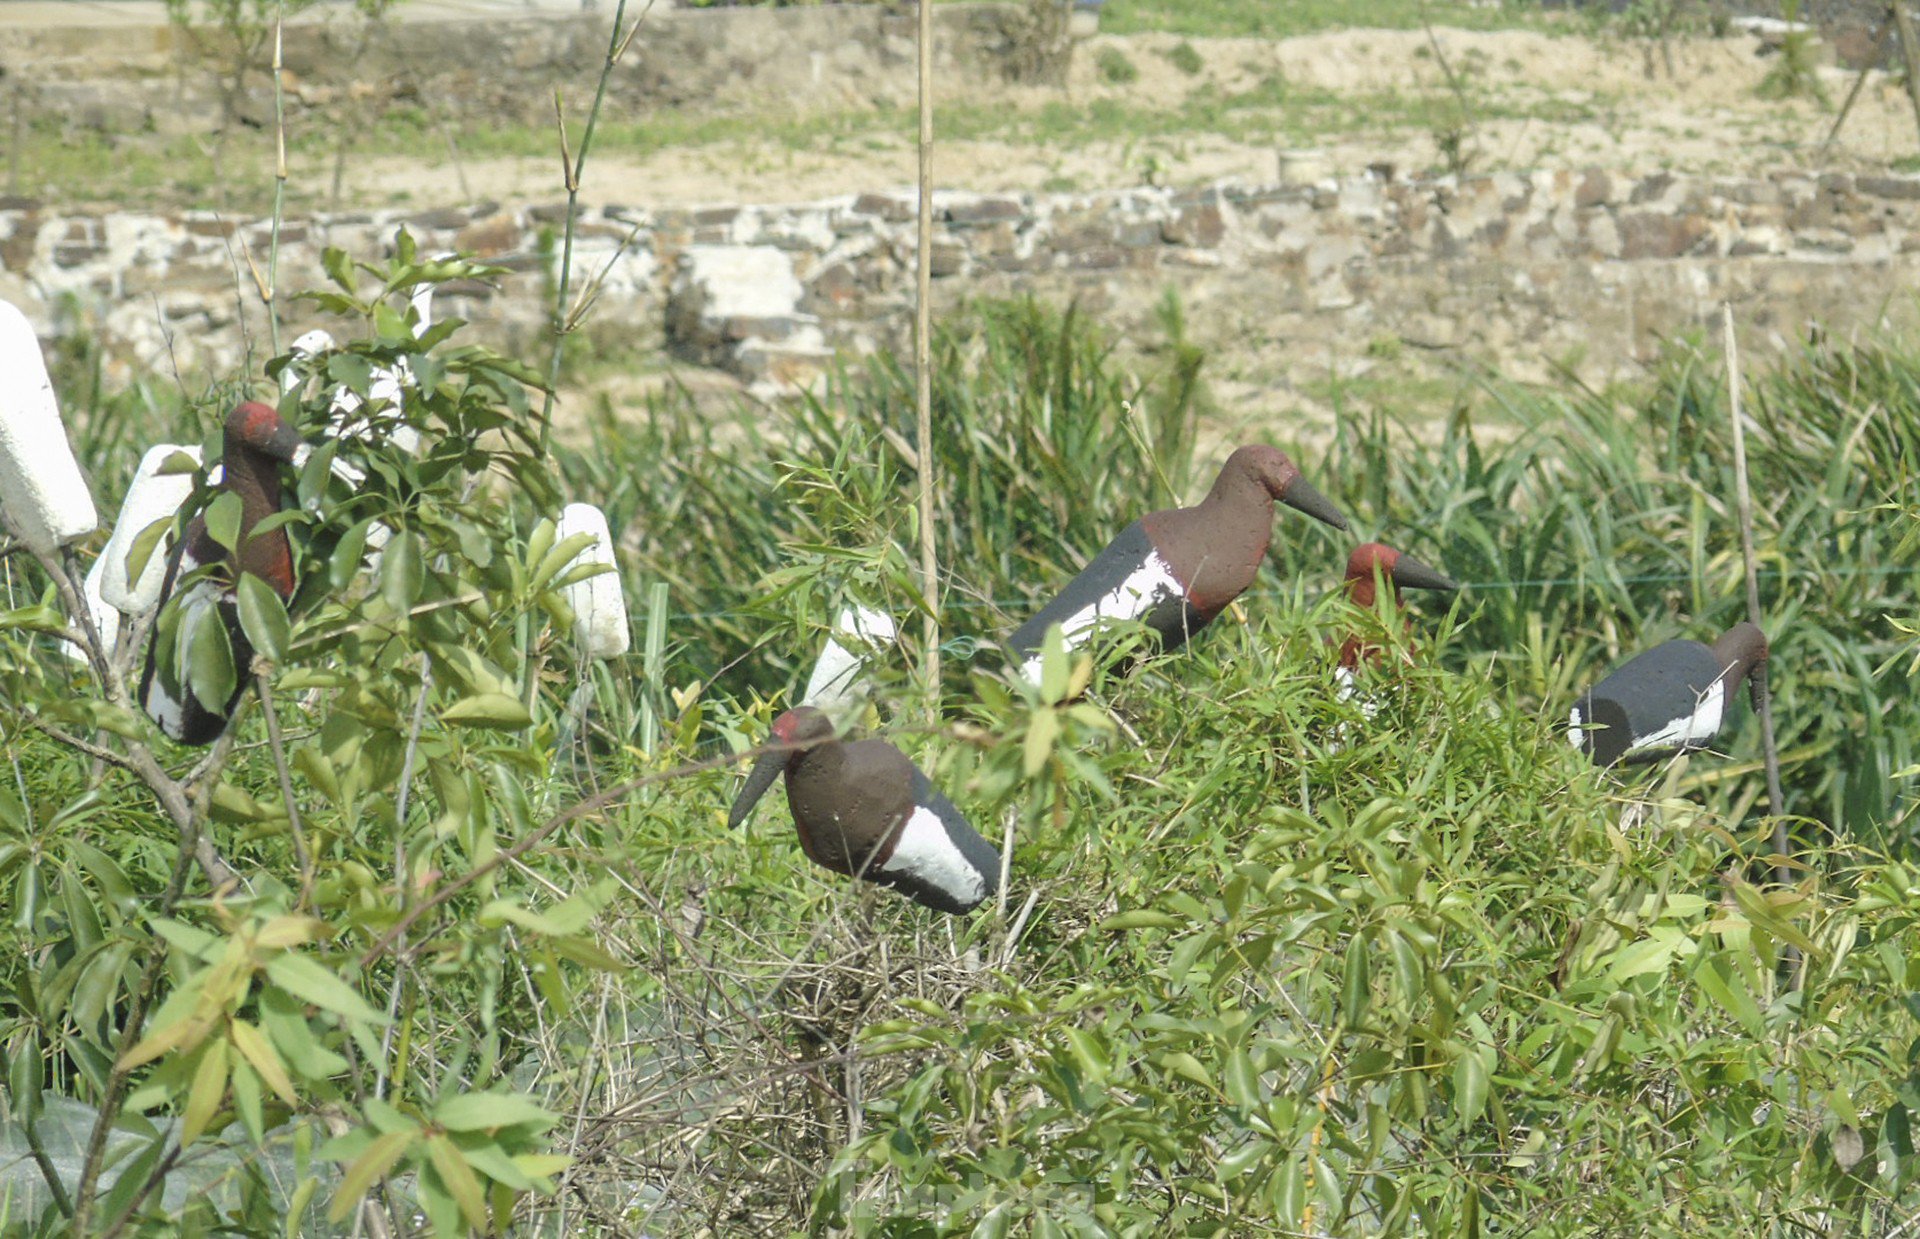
1588 268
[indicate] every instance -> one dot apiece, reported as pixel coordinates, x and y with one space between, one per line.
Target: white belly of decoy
926 853
1145 588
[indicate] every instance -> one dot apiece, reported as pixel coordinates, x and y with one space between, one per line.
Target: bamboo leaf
260 1053
208 1089
306 978
367 1169
263 617
460 1181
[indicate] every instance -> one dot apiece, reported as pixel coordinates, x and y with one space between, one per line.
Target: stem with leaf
572 163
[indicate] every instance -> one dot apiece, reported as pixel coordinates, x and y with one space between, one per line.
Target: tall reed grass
1603 526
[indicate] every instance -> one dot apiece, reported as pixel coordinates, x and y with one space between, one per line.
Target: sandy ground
1356 97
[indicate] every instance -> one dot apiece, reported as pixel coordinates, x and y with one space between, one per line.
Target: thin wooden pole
1762 699
1859 81
1909 55
923 368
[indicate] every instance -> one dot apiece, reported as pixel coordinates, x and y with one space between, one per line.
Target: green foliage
1183 57
1266 962
1795 72
1603 527
1115 68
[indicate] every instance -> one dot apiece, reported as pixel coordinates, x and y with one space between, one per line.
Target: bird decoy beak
287 444
1302 497
759 779
1410 573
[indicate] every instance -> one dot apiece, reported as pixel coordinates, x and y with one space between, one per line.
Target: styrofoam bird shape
106 620
839 681
152 496
599 606
44 501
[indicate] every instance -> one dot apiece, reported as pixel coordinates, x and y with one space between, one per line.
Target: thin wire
1651 578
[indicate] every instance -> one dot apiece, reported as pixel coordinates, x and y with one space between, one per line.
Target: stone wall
1584 270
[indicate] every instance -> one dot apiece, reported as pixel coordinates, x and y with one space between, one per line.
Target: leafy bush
1115 67
1185 58
1263 965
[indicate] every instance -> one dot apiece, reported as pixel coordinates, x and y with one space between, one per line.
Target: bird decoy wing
1670 699
1129 580
938 859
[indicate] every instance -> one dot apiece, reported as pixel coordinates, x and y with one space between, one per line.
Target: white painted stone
740 281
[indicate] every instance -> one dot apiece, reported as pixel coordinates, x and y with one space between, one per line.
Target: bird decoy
1671 699
44 501
257 443
386 385
152 496
1175 569
863 809
599 608
1370 565
838 681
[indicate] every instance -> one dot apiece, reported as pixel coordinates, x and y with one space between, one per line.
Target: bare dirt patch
1358 97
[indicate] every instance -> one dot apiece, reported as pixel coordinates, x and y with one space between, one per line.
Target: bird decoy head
1274 470
1742 650
1375 561
794 733
256 427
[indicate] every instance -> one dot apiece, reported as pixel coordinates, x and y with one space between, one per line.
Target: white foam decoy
304 350
838 680
599 607
386 384
44 499
152 496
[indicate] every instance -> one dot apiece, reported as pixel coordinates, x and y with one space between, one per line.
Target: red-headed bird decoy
1175 569
863 809
1371 564
257 444
1671 699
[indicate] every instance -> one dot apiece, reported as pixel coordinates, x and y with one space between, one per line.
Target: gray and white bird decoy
1672 699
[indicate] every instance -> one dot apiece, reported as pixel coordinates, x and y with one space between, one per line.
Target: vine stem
1762 698
923 369
572 163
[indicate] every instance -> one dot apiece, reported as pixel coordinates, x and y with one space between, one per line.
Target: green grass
68 163
1282 19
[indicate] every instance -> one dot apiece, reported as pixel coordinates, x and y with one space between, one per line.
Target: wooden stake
1762 699
923 369
1909 55
1859 81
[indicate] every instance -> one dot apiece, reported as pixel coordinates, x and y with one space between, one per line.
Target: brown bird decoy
1175 569
257 444
862 809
